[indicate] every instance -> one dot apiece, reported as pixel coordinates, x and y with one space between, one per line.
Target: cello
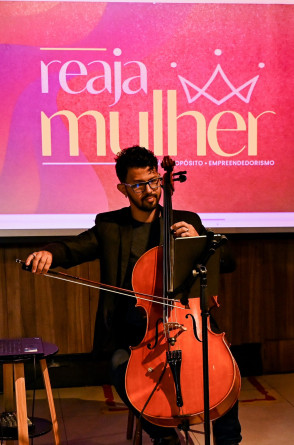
165 378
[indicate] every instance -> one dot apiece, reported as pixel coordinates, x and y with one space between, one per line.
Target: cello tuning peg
181 176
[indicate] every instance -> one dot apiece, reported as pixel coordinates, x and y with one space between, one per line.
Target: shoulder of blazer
190 218
121 217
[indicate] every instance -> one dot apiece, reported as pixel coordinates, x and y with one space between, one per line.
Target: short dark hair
135 156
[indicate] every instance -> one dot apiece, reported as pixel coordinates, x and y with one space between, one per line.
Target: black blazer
110 241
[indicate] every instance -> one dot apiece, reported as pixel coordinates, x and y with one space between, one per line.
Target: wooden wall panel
3 296
60 312
278 356
257 300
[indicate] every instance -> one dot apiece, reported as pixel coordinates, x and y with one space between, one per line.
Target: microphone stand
201 272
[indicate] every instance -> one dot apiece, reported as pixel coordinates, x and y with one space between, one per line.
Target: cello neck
168 241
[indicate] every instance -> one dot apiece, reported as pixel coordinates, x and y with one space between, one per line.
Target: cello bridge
170 326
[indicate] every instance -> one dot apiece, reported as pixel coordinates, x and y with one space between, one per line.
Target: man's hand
41 261
183 229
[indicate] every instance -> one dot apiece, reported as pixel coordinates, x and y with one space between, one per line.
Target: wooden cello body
149 374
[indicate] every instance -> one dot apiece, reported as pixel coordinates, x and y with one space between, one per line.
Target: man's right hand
40 261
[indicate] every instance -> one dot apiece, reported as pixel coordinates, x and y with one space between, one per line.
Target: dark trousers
226 429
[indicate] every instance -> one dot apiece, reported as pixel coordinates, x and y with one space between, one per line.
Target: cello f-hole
156 334
194 327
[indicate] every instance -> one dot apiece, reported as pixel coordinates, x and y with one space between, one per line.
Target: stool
13 372
130 428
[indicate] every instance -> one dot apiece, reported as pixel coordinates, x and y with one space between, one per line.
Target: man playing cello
119 238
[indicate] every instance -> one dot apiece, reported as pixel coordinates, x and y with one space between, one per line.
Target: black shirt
145 236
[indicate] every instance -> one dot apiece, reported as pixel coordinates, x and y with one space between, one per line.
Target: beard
143 203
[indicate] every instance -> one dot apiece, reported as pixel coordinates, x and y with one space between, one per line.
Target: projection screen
208 83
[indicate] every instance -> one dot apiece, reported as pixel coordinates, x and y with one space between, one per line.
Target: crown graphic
190 88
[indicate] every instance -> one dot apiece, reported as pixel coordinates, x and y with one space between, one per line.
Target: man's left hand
183 229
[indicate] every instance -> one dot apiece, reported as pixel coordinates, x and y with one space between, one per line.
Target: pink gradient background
156 35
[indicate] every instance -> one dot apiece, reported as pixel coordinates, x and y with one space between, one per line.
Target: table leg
21 404
47 383
8 391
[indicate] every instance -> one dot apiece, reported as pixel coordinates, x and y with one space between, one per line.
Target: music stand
188 253
198 257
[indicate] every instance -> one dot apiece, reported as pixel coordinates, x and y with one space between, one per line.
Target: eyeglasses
140 187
